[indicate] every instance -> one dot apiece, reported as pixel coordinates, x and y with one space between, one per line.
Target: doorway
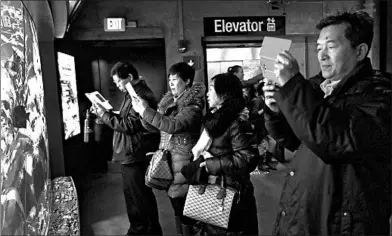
220 56
93 62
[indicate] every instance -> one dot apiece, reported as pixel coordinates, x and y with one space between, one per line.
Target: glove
193 173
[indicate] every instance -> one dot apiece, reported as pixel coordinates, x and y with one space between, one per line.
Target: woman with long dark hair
226 154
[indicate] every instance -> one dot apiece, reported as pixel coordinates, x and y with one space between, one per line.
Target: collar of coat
218 122
194 94
362 79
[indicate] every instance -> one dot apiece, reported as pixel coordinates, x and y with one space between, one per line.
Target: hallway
102 207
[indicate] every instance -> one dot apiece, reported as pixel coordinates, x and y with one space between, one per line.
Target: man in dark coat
339 123
131 142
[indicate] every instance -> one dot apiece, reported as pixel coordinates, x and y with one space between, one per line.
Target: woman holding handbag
178 118
225 153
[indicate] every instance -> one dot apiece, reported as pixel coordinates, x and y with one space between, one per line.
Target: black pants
178 207
140 201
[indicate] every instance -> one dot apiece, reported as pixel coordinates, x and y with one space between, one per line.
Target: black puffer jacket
235 156
182 119
339 181
130 139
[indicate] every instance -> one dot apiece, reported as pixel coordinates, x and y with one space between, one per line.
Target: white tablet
96 97
131 90
270 48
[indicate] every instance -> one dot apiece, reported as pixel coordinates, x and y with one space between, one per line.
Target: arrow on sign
191 62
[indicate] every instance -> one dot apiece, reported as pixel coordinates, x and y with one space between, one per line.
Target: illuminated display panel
69 95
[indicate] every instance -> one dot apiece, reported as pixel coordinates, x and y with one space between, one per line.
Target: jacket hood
193 95
218 122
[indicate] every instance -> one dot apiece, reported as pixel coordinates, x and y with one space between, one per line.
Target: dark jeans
178 207
140 201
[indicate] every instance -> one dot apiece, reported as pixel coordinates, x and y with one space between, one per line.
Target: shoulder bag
159 174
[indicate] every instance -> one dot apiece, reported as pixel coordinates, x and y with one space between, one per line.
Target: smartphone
270 48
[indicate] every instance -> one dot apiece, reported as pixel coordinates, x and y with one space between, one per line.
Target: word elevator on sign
244 25
221 26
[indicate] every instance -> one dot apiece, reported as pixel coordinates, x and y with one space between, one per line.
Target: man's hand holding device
99 104
269 90
275 62
98 109
286 67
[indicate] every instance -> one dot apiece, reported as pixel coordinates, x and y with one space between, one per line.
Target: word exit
114 24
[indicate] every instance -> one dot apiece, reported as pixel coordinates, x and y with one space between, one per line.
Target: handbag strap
166 146
222 192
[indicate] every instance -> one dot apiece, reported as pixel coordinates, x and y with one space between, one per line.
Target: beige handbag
210 203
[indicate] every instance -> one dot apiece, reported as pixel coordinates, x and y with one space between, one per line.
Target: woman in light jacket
179 114
231 154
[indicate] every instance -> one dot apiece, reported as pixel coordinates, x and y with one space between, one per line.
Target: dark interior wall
148 57
93 62
384 9
388 33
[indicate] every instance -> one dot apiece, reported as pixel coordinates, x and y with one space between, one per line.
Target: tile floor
102 207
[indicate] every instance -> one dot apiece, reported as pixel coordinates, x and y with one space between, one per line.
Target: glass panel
251 68
248 58
226 64
233 54
213 68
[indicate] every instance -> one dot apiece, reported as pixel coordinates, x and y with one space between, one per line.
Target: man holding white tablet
339 122
131 142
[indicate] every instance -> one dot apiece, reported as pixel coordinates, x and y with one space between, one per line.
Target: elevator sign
256 25
114 24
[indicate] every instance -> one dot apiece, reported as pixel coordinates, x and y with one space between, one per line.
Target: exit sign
114 24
